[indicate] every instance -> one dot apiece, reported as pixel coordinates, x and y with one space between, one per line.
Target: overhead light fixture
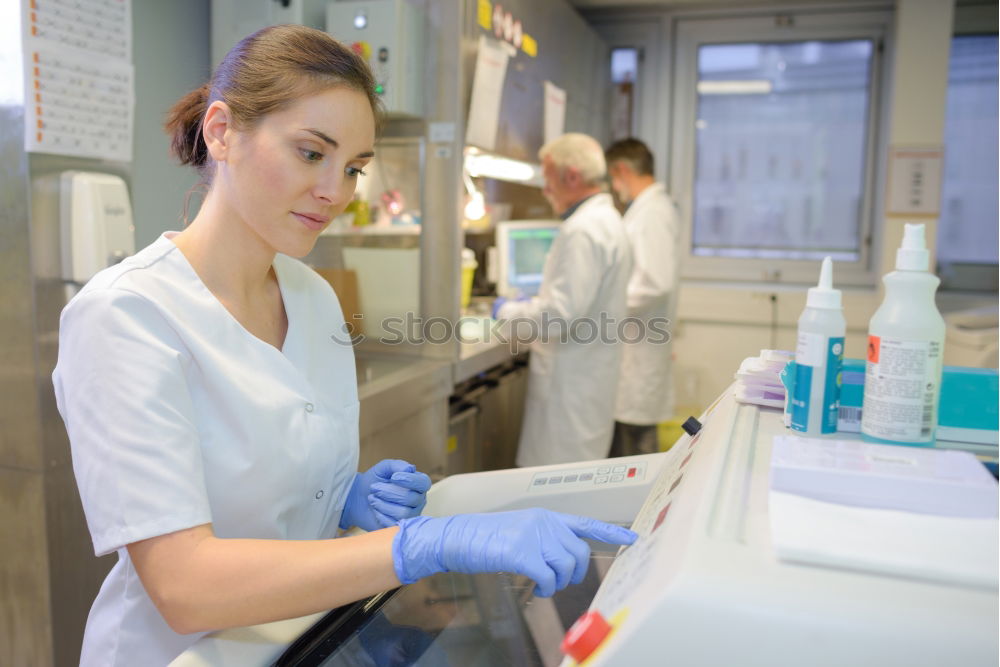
744 87
361 20
493 166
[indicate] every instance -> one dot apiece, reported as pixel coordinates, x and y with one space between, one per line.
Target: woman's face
289 176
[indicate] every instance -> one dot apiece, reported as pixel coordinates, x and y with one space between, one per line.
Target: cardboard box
345 284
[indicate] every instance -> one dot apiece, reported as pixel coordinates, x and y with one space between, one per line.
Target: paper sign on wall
78 77
555 111
487 86
914 182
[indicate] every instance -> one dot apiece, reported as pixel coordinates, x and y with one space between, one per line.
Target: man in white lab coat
645 388
569 408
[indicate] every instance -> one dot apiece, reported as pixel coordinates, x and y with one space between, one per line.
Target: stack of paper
923 513
758 382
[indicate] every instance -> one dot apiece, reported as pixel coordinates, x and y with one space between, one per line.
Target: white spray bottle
819 355
905 346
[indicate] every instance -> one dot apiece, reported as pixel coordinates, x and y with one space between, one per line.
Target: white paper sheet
487 87
555 111
78 77
920 546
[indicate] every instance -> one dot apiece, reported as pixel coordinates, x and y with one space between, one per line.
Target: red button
631 472
586 635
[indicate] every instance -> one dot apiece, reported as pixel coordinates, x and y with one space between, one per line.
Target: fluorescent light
746 87
493 166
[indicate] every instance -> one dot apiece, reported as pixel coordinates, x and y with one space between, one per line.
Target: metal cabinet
494 402
462 450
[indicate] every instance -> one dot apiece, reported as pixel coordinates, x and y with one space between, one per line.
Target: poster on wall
555 111
78 78
487 87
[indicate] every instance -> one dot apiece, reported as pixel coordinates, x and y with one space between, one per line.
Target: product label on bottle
902 379
816 397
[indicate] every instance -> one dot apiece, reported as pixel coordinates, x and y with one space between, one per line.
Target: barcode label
849 419
927 422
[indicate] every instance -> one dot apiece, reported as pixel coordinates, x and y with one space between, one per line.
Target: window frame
970 20
692 32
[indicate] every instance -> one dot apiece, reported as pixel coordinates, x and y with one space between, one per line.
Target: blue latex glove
537 543
389 491
501 300
497 305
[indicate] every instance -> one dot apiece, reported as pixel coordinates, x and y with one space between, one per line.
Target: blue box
967 412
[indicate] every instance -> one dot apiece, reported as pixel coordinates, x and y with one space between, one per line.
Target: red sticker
874 347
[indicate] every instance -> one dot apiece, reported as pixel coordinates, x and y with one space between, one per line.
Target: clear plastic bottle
905 345
819 354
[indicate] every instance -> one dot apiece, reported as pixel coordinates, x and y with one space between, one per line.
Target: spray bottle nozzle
912 254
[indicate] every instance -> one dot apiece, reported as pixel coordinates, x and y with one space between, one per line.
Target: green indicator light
379 89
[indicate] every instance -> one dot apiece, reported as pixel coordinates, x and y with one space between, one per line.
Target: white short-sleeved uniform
178 416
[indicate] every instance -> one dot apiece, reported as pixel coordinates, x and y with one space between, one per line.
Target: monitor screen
522 247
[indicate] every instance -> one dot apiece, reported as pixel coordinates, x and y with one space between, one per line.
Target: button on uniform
310 407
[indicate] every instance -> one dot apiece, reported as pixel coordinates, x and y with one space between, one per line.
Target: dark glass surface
454 620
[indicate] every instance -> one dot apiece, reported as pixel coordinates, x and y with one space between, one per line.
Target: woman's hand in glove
545 546
389 491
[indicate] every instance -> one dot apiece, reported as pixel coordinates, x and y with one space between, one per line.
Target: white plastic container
905 347
819 354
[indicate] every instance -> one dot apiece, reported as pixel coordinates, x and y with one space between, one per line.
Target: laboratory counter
476 357
404 399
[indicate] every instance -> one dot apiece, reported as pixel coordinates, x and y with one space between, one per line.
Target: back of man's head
632 152
580 152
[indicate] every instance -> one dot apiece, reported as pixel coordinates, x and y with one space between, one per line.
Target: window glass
781 143
967 230
624 64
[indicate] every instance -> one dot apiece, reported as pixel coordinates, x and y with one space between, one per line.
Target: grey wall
48 573
171 54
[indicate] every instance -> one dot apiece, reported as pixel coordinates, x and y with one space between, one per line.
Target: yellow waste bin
469 265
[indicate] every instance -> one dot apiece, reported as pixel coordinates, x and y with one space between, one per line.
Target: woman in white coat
209 392
645 389
573 373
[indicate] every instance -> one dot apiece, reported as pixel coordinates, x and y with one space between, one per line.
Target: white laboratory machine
389 35
95 227
703 585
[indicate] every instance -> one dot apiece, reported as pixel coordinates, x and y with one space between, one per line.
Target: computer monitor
522 246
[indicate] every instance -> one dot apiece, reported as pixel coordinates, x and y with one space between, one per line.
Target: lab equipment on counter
522 246
818 356
905 348
702 586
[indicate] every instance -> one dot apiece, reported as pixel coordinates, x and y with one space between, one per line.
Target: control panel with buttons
581 476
